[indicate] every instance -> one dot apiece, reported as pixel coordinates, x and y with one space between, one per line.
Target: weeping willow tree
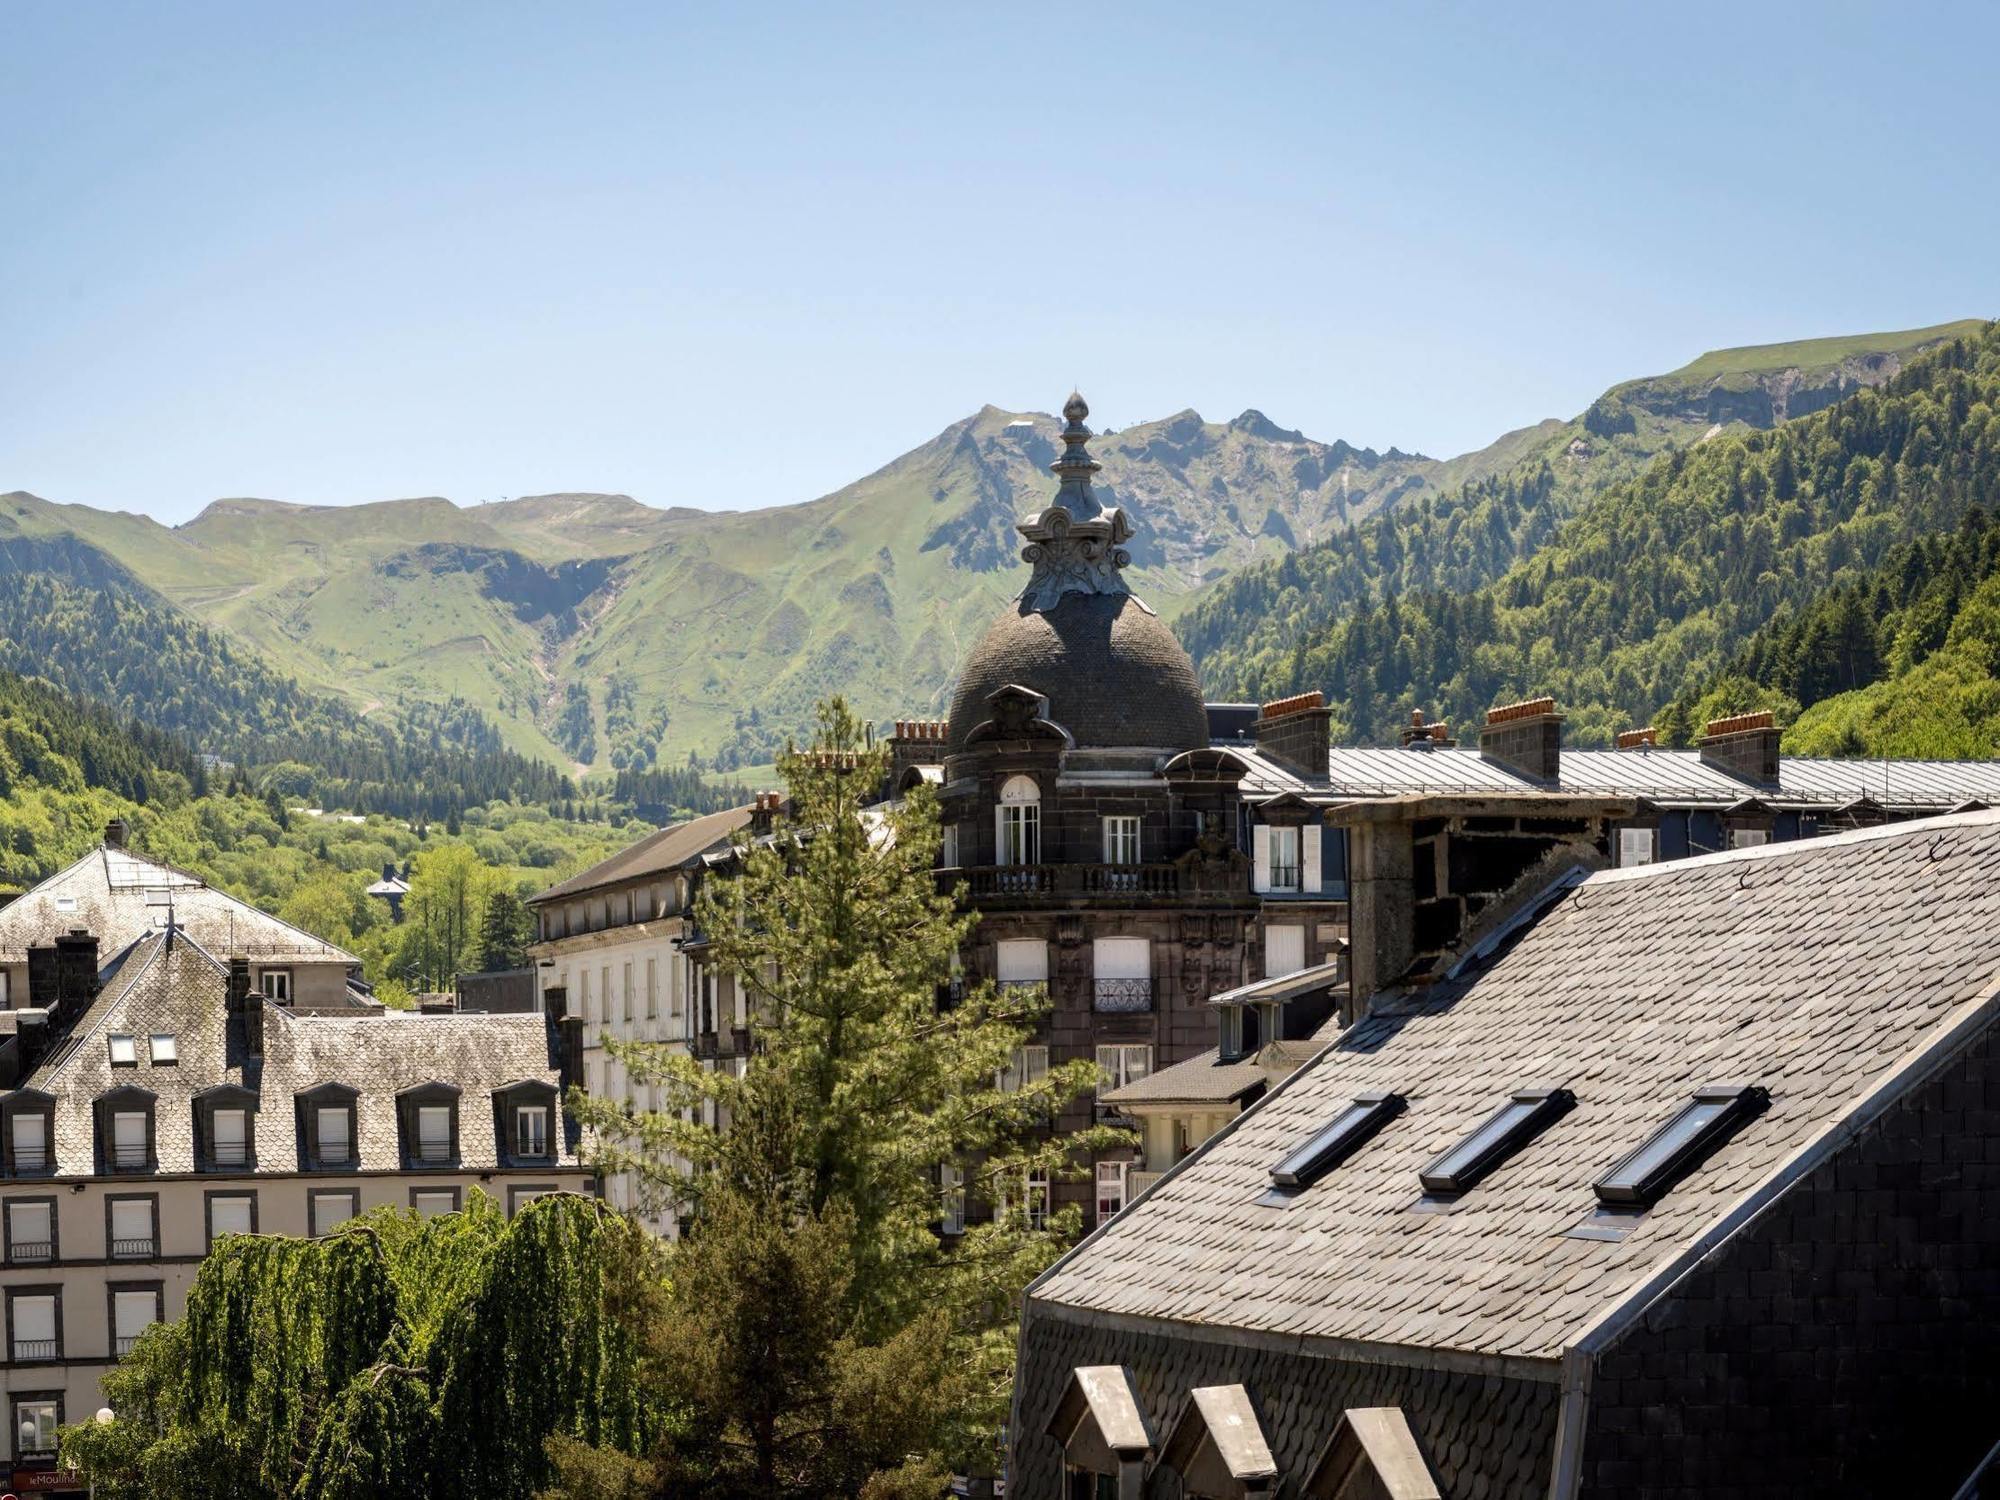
396 1356
818 1332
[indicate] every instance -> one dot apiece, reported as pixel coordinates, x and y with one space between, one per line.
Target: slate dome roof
1113 673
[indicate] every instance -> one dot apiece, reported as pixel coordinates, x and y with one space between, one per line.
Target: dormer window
1677 1147
224 1138
1505 1131
327 1121
124 1049
531 1131
429 1118
1231 1020
1284 859
1335 1141
276 985
30 1132
1019 818
125 1141
525 1121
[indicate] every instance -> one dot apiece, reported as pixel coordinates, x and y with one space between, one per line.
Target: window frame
173 1057
429 1190
951 1199
1119 1074
1650 833
19 1399
1122 1171
1028 1066
530 1093
1355 1124
1229 1033
1018 823
37 1290
1294 835
286 982
1515 1125
329 1096
31 1200
313 1196
112 1254
125 1100
1123 834
115 1289
1680 1147
208 1201
410 1106
224 1098
125 1042
534 1190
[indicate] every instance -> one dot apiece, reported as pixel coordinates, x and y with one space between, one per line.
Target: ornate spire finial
1076 545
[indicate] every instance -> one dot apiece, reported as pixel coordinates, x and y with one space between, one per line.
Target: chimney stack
1744 746
114 834
916 742
1639 739
1525 737
764 812
76 970
247 1006
1417 735
1293 732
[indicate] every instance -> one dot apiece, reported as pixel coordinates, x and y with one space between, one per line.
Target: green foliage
1663 582
814 1276
504 932
306 1368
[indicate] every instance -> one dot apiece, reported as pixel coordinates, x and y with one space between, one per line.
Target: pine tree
503 933
862 1085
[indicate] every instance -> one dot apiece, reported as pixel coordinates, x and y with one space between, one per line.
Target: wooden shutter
1309 857
1260 858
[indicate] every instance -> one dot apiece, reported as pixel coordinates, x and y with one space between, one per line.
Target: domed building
1115 846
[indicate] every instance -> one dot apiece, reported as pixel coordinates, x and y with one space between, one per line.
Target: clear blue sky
733 256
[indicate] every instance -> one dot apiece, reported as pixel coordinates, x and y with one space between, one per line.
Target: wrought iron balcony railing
31 1252
132 1249
26 1350
989 883
1113 997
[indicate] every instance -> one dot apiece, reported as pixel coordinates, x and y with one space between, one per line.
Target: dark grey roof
669 848
1201 1079
181 990
120 897
1834 972
1114 674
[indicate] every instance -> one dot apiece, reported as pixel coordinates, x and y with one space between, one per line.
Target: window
1021 961
36 1419
131 1228
333 1142
948 847
276 985
1231 1022
604 994
1030 1066
531 1130
1680 1145
230 1137
1121 841
1122 1064
430 1202
951 1199
33 1324
519 1198
1122 975
1111 1185
1284 859
583 998
1038 1200
124 1050
128 1139
652 989
1748 838
1284 950
31 1231
29 1139
628 989
1504 1132
134 1309
164 1049
1335 1141
434 1134
231 1213
328 1211
1638 846
1020 822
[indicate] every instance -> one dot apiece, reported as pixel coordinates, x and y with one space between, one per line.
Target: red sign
47 1482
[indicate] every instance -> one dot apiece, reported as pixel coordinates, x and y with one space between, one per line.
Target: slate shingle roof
181 990
655 854
114 894
1816 969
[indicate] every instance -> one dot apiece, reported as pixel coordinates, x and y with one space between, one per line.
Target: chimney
1525 737
247 1005
916 742
114 834
31 1042
1418 735
764 812
43 991
1639 739
389 870
76 970
1293 732
1744 746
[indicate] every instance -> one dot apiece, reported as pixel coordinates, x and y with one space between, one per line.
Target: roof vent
1335 1141
1680 1145
1506 1130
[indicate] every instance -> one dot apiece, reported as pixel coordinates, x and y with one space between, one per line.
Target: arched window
1020 822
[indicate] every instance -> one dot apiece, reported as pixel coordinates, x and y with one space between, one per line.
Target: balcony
133 1249
1137 1182
991 885
126 1157
125 1343
31 1252
27 1351
31 1159
1121 997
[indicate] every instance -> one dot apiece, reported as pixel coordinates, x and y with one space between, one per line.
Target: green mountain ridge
597 632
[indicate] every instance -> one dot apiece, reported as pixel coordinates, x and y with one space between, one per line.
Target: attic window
1335 1141
1506 1130
1677 1147
65 903
124 1050
165 1049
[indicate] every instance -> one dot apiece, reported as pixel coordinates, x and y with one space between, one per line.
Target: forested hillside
1665 580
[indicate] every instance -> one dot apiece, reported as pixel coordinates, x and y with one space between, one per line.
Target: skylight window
1680 1145
1335 1141
124 1050
1507 1130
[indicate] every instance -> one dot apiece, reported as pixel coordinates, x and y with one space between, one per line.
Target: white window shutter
1260 858
1309 857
